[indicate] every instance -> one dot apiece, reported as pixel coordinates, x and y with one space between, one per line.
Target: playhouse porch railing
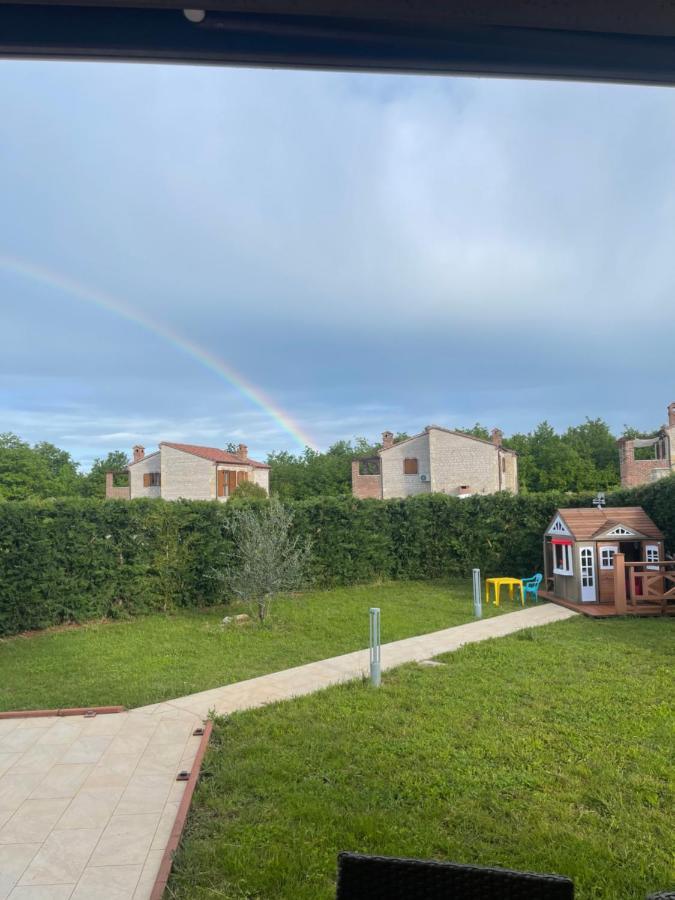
637 584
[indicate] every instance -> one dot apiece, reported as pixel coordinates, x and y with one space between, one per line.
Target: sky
286 258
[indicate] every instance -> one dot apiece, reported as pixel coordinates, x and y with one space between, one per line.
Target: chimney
139 452
387 440
242 451
671 415
496 434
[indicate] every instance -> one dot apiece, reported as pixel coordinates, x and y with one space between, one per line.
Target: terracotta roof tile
215 454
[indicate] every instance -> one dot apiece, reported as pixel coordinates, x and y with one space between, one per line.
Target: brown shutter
231 480
147 479
242 476
221 482
410 466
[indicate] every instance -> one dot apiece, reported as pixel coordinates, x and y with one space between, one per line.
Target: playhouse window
562 559
607 557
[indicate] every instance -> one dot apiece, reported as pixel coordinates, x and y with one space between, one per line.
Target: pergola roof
607 40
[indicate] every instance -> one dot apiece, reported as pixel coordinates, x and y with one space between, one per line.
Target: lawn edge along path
306 679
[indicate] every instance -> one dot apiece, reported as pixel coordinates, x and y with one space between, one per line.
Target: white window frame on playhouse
607 555
566 559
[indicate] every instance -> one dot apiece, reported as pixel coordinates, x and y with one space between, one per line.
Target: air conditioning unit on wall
424 477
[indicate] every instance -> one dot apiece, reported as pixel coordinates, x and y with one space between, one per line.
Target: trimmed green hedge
76 559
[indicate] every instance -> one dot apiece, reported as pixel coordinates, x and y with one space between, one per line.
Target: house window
152 479
607 557
369 467
562 559
410 466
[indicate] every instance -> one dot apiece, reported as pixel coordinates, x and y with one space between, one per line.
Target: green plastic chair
531 586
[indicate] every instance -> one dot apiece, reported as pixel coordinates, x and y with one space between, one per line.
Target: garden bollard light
477 596
375 646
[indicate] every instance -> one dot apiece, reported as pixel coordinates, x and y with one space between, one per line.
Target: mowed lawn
550 750
151 658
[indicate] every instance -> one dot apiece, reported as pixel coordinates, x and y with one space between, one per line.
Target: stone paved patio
87 804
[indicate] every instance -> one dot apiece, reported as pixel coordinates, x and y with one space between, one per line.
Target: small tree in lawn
268 558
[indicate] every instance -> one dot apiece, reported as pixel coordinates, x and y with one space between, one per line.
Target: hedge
77 559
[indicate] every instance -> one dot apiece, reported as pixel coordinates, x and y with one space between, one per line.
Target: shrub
75 559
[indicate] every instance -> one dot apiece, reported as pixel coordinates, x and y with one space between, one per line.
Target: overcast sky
369 252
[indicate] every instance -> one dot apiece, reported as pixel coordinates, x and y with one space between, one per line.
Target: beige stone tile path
87 804
315 676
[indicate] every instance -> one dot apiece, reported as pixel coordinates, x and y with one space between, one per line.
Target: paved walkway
315 676
87 804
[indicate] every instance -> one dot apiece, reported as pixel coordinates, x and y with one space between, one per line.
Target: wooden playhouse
608 561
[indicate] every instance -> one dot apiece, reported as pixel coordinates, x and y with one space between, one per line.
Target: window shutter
242 476
231 480
146 479
221 482
410 466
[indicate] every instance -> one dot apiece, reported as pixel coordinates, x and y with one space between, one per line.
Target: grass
550 750
147 659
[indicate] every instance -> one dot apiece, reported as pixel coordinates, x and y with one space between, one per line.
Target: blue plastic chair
531 586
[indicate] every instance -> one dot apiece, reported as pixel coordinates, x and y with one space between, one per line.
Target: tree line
582 458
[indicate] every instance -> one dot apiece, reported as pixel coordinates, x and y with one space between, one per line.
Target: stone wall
186 476
149 463
459 460
395 483
365 487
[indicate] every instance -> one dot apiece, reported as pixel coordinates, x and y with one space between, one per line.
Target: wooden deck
603 610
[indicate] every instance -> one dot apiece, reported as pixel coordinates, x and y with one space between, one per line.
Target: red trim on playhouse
565 542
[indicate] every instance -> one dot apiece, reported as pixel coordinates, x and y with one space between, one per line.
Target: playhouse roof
588 524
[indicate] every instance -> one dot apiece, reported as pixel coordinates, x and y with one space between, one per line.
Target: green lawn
151 658
551 750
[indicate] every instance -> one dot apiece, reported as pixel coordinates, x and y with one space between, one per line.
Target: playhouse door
587 569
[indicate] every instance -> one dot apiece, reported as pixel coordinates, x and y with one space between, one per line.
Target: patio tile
148 875
14 789
43 892
62 857
13 862
111 882
145 794
39 758
20 739
162 760
7 725
61 781
163 833
126 840
88 749
7 760
32 821
90 809
105 723
114 771
65 731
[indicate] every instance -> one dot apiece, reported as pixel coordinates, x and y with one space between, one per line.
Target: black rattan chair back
384 878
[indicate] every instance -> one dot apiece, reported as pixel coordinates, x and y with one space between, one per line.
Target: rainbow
204 357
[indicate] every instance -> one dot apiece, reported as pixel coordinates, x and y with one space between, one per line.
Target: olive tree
268 559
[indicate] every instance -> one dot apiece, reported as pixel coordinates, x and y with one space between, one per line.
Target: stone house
657 456
436 461
188 472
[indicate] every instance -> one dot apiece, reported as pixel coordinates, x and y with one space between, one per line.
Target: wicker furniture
383 878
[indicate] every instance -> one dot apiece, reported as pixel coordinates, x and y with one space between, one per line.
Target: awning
565 541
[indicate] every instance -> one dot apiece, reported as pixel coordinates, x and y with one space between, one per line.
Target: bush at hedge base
77 559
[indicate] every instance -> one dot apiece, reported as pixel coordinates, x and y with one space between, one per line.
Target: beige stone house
188 472
657 455
436 461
